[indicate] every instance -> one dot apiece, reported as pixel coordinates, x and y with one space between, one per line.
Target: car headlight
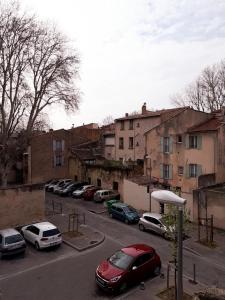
115 279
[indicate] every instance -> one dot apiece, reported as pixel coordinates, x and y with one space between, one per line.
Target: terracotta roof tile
210 125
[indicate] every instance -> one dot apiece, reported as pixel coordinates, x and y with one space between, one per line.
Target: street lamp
169 197
150 179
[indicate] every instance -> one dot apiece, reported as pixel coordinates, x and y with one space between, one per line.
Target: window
58 160
75 178
193 141
180 170
137 144
120 159
166 145
122 125
179 139
138 125
120 143
115 185
99 182
193 170
131 142
58 145
131 124
166 171
89 180
162 208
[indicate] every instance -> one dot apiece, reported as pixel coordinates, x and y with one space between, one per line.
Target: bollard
193 281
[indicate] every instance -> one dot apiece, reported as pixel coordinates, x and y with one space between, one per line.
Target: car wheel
157 271
141 227
126 221
37 246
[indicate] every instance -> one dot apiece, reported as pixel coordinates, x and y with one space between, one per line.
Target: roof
8 232
137 249
209 125
153 215
163 113
44 225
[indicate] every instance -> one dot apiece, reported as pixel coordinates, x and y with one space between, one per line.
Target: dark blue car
124 212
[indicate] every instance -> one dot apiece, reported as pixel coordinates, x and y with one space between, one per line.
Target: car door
1 241
31 233
142 267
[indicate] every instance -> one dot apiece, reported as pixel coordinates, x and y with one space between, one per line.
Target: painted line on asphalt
62 257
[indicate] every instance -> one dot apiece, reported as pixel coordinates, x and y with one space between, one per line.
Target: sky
134 51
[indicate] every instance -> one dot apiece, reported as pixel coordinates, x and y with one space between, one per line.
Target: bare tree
207 93
38 68
108 120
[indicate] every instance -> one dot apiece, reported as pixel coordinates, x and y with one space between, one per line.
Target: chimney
144 110
126 115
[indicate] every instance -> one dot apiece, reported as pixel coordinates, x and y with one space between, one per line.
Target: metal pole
180 255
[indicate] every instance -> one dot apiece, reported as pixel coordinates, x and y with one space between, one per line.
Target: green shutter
170 171
161 171
199 170
161 144
199 142
170 144
187 171
187 141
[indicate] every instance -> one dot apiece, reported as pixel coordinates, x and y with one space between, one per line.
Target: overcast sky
134 51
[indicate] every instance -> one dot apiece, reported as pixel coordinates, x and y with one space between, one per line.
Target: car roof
105 191
8 232
153 215
137 249
44 225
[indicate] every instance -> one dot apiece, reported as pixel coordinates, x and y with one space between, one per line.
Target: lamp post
150 180
169 197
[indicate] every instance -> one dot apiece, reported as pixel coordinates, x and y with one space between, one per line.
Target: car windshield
129 209
121 260
13 239
50 232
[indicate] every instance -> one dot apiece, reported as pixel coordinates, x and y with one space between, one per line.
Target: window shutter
187 174
161 171
161 144
199 142
171 144
187 141
54 162
63 145
170 171
199 170
54 145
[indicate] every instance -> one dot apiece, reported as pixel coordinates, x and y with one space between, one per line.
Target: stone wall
21 205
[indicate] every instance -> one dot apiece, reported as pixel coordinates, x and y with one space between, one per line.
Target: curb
80 249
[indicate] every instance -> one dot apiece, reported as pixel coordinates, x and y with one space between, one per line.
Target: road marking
62 257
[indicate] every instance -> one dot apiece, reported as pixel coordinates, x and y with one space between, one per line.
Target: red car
126 267
89 194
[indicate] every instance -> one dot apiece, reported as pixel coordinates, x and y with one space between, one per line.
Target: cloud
135 51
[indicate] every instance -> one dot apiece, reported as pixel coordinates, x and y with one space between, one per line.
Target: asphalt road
65 274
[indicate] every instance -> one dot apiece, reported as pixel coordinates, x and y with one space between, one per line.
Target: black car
68 190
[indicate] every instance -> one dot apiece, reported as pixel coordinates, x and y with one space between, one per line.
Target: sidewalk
83 239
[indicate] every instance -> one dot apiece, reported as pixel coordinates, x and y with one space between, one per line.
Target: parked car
48 183
89 194
124 212
42 235
67 191
59 188
11 242
104 195
51 185
60 184
79 192
126 267
153 222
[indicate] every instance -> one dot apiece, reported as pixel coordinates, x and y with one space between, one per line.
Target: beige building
186 152
130 131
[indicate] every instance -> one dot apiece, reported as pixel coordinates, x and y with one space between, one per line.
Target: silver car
153 222
11 242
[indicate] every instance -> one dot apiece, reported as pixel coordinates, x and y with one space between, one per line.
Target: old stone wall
21 205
